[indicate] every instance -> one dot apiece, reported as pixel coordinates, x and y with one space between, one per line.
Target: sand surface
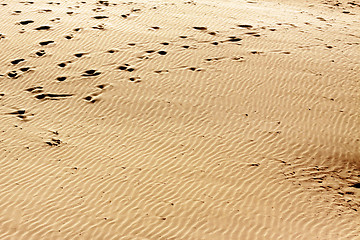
206 119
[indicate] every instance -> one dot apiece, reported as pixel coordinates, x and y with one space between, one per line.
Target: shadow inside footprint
16 61
61 79
52 96
245 26
43 28
79 54
100 17
200 28
91 73
40 53
46 43
25 22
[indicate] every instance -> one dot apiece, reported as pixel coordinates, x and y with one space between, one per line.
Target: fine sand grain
180 119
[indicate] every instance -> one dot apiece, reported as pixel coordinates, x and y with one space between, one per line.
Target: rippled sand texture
207 119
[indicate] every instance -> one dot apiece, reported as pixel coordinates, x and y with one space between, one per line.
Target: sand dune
206 119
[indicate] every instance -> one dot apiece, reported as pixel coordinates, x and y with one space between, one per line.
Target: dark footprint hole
182 36
90 73
245 26
24 69
61 79
43 28
18 112
200 28
130 69
12 74
215 43
25 22
234 39
17 61
356 185
162 52
186 47
150 51
79 54
101 86
100 17
62 65
46 43
164 43
68 37
41 96
34 89
122 67
88 98
40 53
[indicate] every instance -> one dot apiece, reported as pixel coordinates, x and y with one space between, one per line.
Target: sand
206 119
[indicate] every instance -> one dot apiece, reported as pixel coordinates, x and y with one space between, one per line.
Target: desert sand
181 120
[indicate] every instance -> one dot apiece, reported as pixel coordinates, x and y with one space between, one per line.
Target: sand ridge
179 120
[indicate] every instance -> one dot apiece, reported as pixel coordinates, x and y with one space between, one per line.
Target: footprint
53 96
44 43
91 73
16 61
26 22
90 99
13 74
135 79
200 28
234 39
99 27
79 55
112 51
43 28
54 142
245 26
195 69
40 53
35 89
161 71
55 19
127 68
61 79
20 114
62 65
255 34
69 36
100 17
25 69
162 52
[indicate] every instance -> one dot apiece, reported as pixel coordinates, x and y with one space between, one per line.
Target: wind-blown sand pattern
206 119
